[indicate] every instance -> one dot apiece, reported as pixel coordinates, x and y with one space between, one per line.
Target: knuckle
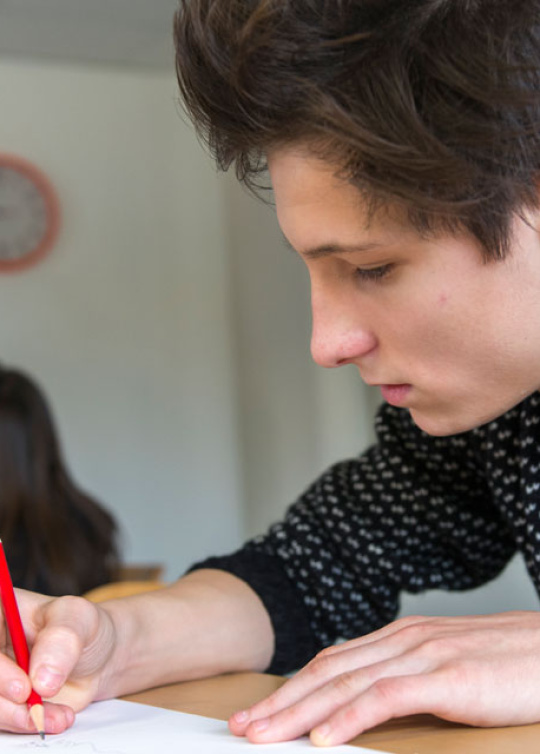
435 647
328 651
71 604
345 684
288 717
410 620
386 690
74 613
320 668
351 718
440 650
268 706
459 673
412 632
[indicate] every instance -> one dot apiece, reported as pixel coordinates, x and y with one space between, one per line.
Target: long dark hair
430 105
57 538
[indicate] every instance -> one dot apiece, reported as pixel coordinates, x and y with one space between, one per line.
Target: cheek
433 324
428 311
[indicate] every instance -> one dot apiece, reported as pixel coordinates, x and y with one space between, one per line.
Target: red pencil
18 639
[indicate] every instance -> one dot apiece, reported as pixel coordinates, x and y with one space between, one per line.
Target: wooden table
420 734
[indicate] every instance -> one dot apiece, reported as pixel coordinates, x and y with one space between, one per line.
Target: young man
402 143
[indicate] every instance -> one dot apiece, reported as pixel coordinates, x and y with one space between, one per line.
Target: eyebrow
327 249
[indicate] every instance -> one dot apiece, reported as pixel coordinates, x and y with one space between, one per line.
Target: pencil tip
38 718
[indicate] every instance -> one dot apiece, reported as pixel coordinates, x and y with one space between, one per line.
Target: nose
340 335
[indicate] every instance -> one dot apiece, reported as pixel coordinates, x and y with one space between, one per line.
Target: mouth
396 395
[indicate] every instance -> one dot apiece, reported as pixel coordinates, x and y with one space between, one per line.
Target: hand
81 652
478 670
70 641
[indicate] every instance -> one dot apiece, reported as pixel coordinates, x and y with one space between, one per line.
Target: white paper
118 727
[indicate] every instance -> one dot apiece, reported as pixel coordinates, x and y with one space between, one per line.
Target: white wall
126 323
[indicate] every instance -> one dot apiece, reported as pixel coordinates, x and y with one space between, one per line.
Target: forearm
209 622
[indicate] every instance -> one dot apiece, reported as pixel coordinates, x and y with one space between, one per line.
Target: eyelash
373 274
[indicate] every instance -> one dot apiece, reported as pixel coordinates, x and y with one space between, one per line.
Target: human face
450 337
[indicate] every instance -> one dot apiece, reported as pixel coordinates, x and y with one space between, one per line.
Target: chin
442 425
454 418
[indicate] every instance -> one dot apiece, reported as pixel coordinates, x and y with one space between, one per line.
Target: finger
317 706
330 664
14 683
316 674
387 698
58 718
299 718
15 718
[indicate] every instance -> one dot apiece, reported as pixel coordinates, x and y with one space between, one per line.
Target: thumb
73 639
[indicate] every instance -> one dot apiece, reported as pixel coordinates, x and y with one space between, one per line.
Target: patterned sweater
412 513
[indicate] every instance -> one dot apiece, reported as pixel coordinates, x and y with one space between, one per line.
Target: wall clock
29 214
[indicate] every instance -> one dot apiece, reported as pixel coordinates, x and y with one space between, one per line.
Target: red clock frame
52 208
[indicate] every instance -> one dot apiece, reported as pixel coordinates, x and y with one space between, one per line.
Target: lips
396 395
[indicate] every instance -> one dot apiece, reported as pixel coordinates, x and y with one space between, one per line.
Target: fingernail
260 725
321 734
241 716
48 679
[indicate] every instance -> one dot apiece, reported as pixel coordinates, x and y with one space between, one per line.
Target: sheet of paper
118 727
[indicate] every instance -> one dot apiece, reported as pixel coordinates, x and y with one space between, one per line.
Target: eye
373 274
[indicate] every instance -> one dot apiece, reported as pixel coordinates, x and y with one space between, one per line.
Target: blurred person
58 539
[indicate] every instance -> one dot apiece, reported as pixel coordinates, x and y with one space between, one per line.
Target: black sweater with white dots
412 513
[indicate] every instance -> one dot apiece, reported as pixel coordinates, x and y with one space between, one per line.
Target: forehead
299 177
315 205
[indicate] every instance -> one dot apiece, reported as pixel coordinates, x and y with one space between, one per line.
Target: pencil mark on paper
77 747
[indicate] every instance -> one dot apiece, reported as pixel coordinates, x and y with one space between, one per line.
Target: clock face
29 215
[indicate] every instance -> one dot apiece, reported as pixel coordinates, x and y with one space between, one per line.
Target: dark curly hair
430 105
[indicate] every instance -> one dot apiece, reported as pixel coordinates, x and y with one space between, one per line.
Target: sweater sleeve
412 513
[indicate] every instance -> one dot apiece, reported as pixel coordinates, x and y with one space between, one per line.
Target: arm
164 636
81 652
412 513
